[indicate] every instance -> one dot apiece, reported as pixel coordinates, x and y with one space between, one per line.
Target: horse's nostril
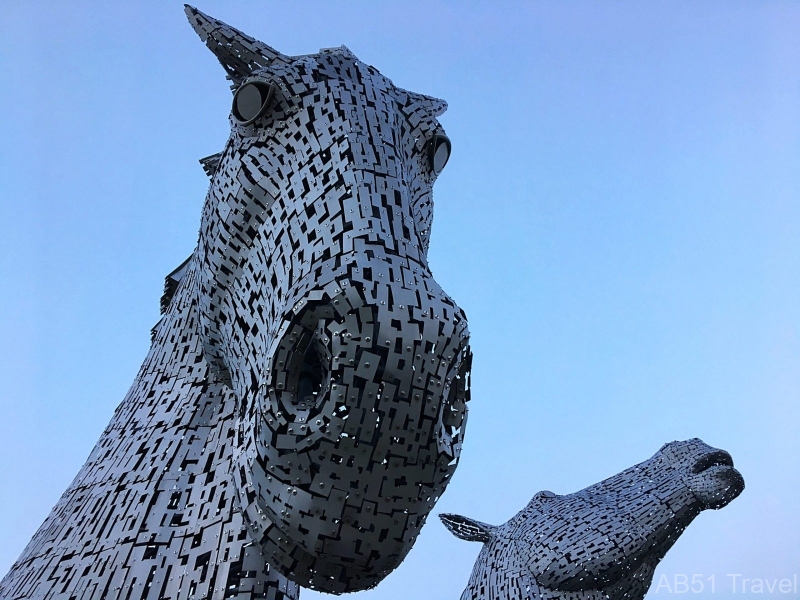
307 390
311 374
302 362
455 406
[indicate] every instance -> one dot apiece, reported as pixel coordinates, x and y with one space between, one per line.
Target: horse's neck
168 388
152 508
164 418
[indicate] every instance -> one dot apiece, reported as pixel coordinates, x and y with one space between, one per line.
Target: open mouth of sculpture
715 483
713 459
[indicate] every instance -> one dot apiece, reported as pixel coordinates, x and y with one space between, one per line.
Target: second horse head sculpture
605 541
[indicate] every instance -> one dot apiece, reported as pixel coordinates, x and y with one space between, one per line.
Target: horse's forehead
330 66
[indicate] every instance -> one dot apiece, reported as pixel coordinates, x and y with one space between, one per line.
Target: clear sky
619 218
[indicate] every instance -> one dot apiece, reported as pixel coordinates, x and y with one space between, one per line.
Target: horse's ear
434 106
467 529
238 53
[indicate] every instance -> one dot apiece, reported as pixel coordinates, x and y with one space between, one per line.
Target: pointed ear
467 529
435 106
238 53
210 164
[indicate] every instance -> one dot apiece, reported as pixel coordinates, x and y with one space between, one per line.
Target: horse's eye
251 101
439 152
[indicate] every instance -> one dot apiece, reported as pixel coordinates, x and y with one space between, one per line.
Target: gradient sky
619 219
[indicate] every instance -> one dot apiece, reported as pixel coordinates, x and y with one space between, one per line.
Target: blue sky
619 219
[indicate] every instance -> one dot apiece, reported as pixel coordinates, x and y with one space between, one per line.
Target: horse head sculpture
303 404
603 541
317 304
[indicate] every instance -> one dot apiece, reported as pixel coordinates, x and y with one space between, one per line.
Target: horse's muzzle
370 378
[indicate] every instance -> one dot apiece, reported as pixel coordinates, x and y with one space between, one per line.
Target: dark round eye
439 152
251 101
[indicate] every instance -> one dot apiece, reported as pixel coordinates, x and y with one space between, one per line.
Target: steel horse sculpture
303 404
605 541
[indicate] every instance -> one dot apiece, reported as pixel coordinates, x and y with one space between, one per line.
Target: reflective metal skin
604 541
303 404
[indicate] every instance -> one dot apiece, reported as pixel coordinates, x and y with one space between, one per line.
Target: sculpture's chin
717 486
346 557
339 569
